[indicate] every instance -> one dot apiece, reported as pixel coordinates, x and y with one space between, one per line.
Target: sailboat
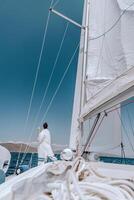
104 85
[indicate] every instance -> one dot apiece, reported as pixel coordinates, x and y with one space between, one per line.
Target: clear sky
22 25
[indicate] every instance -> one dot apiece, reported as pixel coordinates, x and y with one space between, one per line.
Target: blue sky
22 24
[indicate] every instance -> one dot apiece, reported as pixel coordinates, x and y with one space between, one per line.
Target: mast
79 98
85 53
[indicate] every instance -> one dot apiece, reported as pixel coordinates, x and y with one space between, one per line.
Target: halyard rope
56 91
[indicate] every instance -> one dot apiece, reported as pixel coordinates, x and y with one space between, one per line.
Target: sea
31 159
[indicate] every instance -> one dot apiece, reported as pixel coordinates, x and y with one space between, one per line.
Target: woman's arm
41 137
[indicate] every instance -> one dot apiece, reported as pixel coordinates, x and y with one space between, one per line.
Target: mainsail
108 76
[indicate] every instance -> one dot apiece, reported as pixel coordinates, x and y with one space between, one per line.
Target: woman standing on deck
44 148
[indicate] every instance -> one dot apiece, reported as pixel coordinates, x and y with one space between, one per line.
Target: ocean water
128 161
32 159
29 159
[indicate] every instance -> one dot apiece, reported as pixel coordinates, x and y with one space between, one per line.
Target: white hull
5 158
33 184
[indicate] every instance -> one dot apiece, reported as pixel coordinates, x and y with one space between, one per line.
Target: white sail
109 75
111 55
108 135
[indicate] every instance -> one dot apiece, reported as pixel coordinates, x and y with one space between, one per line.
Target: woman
44 148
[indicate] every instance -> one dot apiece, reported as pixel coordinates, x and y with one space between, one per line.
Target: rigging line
122 136
125 131
37 69
123 155
94 134
115 109
49 106
25 153
122 147
51 75
55 4
18 158
116 22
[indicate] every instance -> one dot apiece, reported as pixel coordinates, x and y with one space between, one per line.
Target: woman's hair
45 125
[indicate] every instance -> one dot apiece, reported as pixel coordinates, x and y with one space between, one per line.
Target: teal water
128 161
30 159
33 159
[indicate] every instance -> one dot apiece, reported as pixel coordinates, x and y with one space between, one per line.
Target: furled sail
109 74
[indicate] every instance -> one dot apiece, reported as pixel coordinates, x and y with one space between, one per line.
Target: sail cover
110 59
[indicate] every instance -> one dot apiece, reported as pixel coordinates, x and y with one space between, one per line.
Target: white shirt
44 147
44 136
